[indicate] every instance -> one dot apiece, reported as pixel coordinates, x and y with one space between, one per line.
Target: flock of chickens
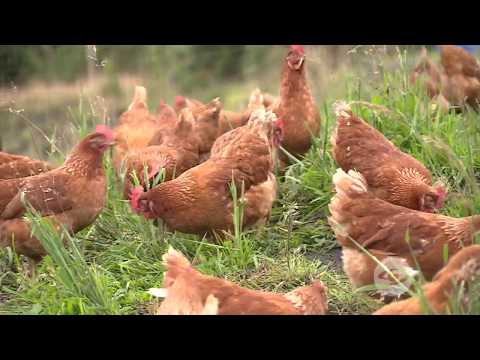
179 166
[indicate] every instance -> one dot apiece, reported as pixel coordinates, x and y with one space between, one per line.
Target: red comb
105 130
179 101
162 103
280 123
134 196
298 49
442 195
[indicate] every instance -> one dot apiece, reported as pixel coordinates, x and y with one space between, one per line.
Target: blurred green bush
189 66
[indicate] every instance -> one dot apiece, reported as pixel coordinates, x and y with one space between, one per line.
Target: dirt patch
333 258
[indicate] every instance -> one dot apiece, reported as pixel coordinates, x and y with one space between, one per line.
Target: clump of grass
81 287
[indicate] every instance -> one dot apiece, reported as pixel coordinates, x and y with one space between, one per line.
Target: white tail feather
353 181
140 96
176 257
256 99
159 293
342 109
211 306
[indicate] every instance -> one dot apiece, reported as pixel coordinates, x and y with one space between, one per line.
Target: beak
299 66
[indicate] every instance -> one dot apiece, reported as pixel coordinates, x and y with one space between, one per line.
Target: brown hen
199 201
72 195
432 78
188 292
226 120
296 106
390 231
16 166
205 119
463 267
391 175
462 70
173 150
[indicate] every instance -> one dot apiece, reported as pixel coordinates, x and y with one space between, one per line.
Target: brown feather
188 291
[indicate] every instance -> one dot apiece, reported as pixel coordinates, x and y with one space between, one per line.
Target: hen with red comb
199 200
71 196
296 107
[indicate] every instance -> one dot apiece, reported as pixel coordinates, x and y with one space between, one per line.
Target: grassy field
109 267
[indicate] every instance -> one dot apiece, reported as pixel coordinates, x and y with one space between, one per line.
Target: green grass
108 268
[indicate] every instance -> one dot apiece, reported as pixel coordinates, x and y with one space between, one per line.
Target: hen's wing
23 168
47 194
456 60
223 141
380 226
6 158
354 141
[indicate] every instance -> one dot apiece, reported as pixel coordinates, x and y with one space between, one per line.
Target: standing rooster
390 231
188 292
391 174
72 195
199 201
296 106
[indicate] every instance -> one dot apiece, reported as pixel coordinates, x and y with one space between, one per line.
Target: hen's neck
85 163
473 223
461 229
294 85
410 182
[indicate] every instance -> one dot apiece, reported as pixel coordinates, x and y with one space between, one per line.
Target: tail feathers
350 184
256 100
311 300
215 102
215 105
342 109
261 115
212 108
211 306
347 186
139 98
158 293
174 258
175 263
